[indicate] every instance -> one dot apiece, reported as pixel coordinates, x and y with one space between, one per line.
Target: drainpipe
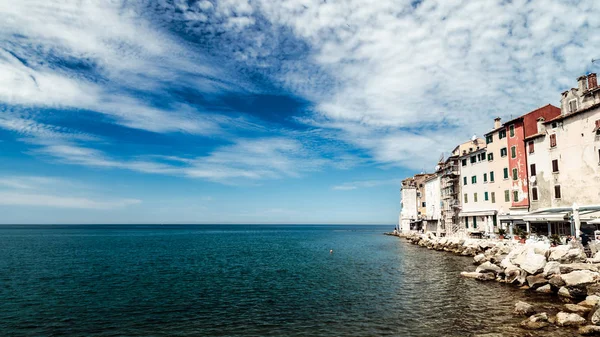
576 220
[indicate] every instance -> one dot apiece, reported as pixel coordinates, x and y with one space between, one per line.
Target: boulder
578 309
593 289
589 330
568 319
556 281
531 262
551 268
536 281
488 267
515 275
558 253
567 268
523 309
479 276
479 259
535 322
579 278
547 289
594 315
590 301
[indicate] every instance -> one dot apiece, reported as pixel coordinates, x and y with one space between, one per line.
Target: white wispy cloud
353 185
415 77
54 192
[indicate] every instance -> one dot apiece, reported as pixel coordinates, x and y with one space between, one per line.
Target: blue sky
236 111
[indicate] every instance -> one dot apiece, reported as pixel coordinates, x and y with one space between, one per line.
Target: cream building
498 182
564 162
433 212
477 214
408 204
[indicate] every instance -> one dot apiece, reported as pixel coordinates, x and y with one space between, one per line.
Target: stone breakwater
563 271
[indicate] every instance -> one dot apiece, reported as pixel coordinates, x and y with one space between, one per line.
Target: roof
565 116
535 136
521 117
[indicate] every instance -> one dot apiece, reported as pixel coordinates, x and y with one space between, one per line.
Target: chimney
581 84
497 123
541 128
592 81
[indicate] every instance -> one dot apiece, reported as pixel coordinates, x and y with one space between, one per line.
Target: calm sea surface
242 281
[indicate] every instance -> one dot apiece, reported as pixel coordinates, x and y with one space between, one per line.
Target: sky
262 111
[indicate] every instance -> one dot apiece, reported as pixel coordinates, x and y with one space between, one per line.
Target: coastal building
498 183
477 215
433 209
564 162
408 204
414 202
517 130
449 189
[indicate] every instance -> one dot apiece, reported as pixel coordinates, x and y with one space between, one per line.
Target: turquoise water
239 281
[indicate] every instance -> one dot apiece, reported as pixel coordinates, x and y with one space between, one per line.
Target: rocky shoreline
563 271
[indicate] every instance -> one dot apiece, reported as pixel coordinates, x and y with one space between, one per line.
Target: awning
548 216
594 222
478 213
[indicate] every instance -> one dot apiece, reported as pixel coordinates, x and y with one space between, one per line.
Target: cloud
251 159
365 184
55 201
53 192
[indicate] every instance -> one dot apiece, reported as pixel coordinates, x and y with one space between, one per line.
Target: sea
244 280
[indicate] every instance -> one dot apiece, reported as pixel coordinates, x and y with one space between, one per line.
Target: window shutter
534 193
532 169
553 140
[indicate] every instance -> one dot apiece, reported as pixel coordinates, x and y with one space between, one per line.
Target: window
423 204
502 134
512 130
555 165
489 139
491 176
473 160
474 222
467 222
466 198
485 196
515 174
534 194
493 197
557 191
513 152
474 197
474 180
464 180
464 162
495 220
597 126
531 147
532 169
572 105
553 140
485 177
490 156
507 195
515 196
506 173
554 125
503 152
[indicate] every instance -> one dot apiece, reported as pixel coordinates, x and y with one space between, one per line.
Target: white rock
578 309
488 267
558 252
580 277
567 319
547 289
523 308
479 258
590 301
551 268
531 262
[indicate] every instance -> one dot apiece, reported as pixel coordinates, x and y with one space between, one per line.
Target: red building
516 131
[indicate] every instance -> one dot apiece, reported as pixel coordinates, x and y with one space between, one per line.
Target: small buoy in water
331 251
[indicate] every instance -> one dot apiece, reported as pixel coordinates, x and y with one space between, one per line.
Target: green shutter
515 174
506 173
485 196
467 222
493 197
485 177
464 180
474 222
492 176
506 195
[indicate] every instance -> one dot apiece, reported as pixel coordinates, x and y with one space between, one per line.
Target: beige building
564 162
433 209
499 184
414 202
477 214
